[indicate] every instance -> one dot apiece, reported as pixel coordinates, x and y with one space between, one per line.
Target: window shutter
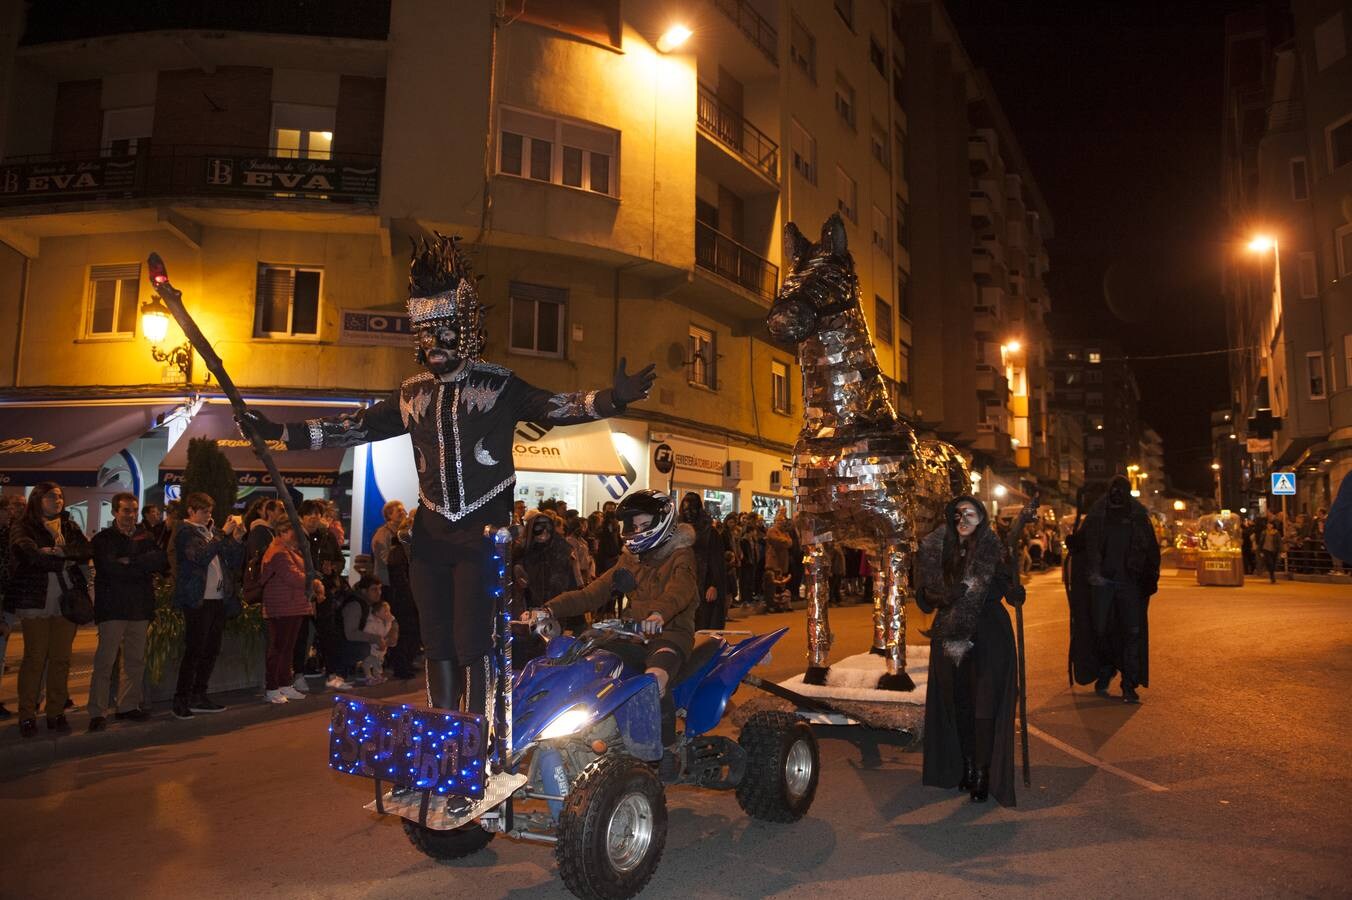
115 273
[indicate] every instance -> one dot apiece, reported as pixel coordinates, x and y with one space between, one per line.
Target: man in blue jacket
126 560
206 562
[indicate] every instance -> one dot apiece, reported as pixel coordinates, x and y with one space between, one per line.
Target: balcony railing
728 259
188 170
733 131
753 25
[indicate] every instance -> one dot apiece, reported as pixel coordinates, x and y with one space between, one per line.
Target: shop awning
302 468
69 441
577 449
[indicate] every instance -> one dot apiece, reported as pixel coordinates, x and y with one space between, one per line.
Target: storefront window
532 487
718 503
767 506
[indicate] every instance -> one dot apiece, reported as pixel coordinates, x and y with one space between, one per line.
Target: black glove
1016 594
622 582
631 388
252 422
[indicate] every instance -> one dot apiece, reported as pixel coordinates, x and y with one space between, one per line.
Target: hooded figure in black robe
1122 559
972 693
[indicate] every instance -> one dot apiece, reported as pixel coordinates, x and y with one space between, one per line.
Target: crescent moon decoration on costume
861 477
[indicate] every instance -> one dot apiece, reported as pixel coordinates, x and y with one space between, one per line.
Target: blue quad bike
570 755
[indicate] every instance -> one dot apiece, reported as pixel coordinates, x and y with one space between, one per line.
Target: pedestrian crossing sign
1284 484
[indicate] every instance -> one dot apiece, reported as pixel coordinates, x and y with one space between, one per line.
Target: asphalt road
1229 780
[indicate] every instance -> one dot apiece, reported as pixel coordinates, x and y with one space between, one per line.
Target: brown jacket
666 584
777 544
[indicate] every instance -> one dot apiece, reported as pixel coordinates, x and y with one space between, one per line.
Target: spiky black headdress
442 288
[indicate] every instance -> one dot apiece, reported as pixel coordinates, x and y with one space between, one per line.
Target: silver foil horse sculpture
861 478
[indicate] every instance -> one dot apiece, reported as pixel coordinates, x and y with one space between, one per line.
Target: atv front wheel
612 829
445 845
782 766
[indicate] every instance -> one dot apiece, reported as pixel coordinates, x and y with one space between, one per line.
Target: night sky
1117 106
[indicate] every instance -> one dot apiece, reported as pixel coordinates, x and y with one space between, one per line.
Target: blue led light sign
411 747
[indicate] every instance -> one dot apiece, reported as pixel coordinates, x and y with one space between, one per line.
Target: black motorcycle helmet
652 503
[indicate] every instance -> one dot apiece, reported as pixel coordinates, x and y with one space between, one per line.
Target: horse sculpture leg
878 574
891 610
818 626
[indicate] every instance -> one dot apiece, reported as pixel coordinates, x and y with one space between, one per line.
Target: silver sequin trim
459 461
316 427
590 405
445 511
441 447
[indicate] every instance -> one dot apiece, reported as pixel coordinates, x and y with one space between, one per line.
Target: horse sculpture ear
833 236
796 247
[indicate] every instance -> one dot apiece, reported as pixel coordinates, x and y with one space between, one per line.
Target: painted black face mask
438 347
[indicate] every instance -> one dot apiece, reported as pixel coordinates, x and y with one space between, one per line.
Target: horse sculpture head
820 283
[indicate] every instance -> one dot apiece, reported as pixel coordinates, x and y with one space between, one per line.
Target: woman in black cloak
963 572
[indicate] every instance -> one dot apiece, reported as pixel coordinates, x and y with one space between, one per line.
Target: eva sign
1284 484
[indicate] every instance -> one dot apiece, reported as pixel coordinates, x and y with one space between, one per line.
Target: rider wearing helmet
657 573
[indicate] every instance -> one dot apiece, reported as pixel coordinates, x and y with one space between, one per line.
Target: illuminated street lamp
1179 506
155 326
1262 243
672 38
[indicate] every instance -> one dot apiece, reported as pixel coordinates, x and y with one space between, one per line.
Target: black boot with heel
981 785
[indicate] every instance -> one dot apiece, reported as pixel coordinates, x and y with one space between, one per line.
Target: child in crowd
383 623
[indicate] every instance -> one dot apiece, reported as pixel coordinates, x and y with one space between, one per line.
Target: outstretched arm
574 407
373 423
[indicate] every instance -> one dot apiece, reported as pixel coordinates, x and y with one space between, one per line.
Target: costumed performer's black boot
968 774
981 787
444 684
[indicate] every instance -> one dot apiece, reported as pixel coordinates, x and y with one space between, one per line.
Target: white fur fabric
856 678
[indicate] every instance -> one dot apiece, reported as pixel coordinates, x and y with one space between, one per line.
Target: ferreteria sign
115 176
271 175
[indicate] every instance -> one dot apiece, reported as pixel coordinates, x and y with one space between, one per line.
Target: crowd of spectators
209 569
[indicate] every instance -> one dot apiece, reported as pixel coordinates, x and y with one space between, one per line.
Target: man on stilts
460 414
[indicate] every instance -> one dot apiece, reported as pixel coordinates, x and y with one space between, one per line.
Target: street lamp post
155 326
1263 244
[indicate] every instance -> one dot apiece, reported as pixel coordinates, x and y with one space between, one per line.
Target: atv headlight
566 722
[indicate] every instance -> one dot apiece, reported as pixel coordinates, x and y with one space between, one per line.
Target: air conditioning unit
777 480
738 469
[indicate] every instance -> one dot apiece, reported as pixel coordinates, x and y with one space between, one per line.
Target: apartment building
621 194
1287 169
1093 385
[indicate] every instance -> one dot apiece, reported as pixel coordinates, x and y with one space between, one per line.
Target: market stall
1220 560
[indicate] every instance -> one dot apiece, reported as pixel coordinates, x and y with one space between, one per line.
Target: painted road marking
1095 761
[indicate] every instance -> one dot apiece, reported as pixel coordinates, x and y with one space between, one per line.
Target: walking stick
1023 697
173 298
1025 516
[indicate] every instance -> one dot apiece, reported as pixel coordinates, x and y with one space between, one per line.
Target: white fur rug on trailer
855 678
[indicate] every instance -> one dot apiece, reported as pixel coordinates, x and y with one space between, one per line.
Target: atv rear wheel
454 844
782 767
612 829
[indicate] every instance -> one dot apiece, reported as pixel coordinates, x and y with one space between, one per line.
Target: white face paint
968 518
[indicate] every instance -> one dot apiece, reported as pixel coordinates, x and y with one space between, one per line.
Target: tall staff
1026 515
173 298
